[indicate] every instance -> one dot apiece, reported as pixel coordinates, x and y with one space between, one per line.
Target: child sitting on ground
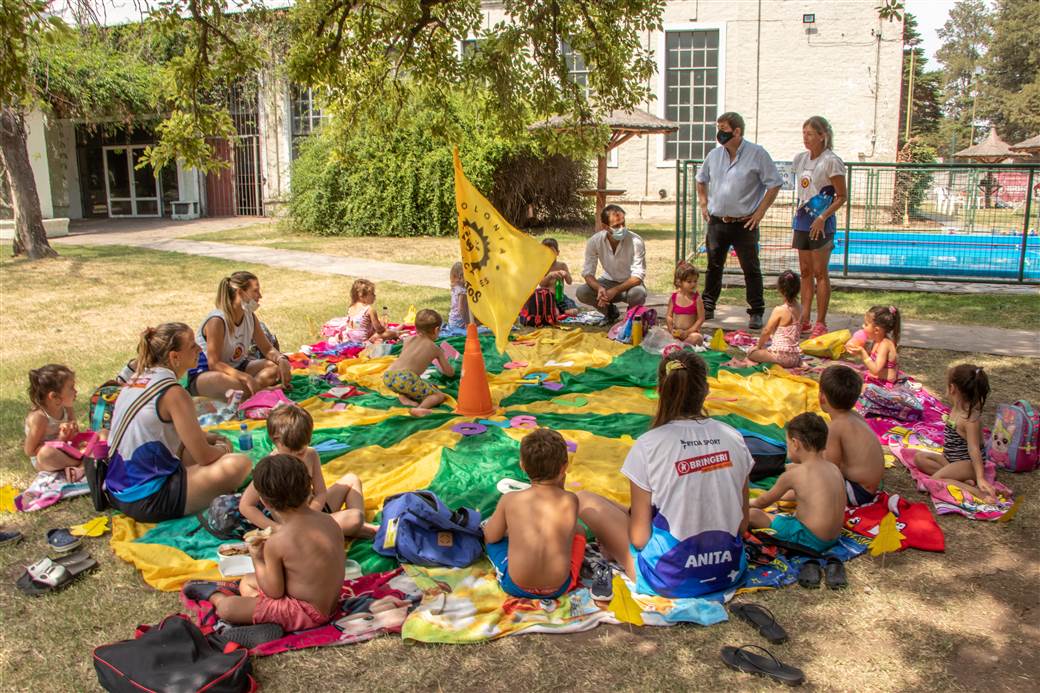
558 272
299 568
404 376
851 444
783 326
532 537
818 488
290 428
881 325
52 391
362 317
685 307
458 316
960 462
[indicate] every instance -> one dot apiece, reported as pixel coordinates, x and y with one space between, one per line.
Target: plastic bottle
637 332
245 439
559 292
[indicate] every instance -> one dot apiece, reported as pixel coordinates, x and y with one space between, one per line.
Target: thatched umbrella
992 150
1028 148
623 126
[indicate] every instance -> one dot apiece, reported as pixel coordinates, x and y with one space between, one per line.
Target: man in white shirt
623 257
736 184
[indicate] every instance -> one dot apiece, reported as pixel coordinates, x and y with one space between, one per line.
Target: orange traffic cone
474 393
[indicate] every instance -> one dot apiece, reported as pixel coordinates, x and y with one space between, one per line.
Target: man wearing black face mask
736 184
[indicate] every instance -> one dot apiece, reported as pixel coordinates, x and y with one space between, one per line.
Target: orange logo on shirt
703 463
239 350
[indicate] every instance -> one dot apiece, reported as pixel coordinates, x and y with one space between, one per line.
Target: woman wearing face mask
623 257
226 336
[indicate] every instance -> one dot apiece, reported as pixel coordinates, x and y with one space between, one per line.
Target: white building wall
275 142
36 143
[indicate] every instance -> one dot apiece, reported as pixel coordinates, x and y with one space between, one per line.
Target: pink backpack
1015 441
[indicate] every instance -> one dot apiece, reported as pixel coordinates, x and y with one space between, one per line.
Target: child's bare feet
420 411
407 402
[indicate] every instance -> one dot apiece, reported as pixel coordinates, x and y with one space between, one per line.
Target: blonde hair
229 288
47 379
428 320
455 275
822 127
361 287
157 343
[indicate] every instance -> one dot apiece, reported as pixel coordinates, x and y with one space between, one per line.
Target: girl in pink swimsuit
783 326
881 325
685 307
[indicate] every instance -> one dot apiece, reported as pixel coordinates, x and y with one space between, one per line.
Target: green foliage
925 112
965 36
26 31
362 179
911 186
1011 87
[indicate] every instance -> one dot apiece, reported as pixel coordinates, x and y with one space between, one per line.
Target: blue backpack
418 528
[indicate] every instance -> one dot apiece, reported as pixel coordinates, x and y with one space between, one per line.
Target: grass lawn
1018 311
956 621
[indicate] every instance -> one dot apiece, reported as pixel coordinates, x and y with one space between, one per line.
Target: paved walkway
166 237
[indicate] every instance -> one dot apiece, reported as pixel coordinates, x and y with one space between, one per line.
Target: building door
245 108
131 192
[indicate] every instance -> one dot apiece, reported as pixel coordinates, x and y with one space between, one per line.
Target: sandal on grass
740 659
49 575
202 590
252 636
834 572
762 619
62 540
810 575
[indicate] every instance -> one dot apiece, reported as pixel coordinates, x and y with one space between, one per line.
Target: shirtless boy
299 568
851 444
532 536
818 487
403 376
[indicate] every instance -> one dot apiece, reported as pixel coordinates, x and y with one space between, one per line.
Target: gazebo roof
992 148
636 121
1030 145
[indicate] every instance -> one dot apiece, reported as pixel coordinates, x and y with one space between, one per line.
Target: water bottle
559 292
245 439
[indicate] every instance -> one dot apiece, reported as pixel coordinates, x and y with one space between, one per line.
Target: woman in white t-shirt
820 183
683 535
226 337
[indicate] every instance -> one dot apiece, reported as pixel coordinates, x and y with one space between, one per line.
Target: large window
692 92
306 116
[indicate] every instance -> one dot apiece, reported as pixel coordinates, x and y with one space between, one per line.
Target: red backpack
540 310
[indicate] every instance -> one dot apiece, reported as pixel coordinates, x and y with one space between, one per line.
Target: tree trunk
30 237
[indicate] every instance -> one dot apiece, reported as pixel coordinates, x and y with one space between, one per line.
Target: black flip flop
252 636
762 619
810 575
75 564
739 659
834 572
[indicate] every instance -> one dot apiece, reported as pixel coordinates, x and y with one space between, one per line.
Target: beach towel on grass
370 606
913 520
948 498
47 489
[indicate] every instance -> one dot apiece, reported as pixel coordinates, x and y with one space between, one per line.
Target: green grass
955 620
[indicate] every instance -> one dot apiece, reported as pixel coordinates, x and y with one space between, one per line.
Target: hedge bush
366 180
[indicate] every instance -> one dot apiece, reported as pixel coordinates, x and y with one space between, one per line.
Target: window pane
691 91
118 175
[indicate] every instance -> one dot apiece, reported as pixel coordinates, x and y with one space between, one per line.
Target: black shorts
165 504
801 241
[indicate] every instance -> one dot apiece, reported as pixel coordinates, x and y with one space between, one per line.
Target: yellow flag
624 608
888 538
502 266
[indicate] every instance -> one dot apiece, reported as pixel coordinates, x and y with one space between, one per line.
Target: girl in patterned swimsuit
960 462
881 324
364 324
685 307
784 327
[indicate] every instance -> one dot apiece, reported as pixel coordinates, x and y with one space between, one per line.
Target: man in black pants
736 184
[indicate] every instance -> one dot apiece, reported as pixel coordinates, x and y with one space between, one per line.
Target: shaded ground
963 620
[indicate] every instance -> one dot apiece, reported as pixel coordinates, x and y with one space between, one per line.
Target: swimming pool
936 254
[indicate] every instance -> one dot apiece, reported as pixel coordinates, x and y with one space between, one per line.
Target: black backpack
223 519
173 656
770 458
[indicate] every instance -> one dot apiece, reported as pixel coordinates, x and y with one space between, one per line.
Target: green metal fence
959 222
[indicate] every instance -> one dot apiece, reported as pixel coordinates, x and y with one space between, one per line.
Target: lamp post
974 103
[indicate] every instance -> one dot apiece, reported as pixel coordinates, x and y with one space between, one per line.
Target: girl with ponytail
165 466
688 477
226 337
781 333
